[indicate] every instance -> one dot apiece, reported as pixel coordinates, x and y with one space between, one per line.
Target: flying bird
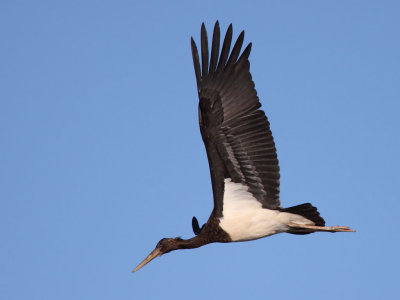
241 153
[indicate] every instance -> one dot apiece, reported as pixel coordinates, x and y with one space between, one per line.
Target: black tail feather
307 211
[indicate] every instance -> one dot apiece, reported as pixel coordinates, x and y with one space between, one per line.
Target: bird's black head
166 245
163 246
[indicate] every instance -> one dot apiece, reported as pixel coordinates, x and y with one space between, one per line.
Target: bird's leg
322 228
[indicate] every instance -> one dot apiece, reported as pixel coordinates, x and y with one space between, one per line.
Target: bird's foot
322 228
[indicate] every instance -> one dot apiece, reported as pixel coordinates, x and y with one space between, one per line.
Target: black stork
241 154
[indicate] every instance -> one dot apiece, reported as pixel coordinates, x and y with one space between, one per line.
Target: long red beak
155 253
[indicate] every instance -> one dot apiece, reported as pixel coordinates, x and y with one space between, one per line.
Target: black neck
194 242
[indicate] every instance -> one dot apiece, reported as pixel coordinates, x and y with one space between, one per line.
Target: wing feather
204 51
226 46
215 48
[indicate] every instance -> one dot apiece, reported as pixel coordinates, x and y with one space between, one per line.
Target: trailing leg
313 228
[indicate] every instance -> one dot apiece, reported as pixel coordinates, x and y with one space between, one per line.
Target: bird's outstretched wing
235 131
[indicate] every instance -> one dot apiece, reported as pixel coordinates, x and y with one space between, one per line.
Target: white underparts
244 218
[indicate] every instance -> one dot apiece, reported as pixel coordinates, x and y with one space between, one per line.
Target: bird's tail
307 211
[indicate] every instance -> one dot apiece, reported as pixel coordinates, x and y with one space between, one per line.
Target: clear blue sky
101 154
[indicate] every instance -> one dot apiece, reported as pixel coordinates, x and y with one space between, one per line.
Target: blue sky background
101 154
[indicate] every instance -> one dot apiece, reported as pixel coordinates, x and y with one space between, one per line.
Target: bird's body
242 156
245 219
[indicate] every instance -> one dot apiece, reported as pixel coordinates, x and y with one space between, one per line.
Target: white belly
244 218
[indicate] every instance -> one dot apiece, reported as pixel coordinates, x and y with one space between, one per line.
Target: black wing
235 131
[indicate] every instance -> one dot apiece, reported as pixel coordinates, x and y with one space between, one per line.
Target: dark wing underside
235 131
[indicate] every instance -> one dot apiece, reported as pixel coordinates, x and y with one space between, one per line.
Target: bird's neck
194 242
